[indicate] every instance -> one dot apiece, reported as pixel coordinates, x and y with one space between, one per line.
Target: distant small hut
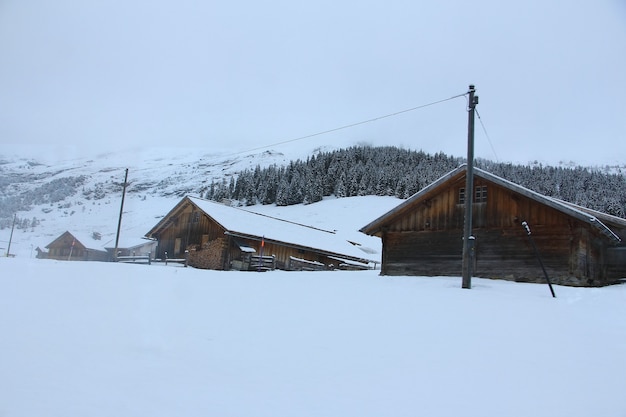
423 235
41 253
77 247
129 248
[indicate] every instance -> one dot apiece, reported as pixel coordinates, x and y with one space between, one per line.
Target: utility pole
468 238
119 222
11 237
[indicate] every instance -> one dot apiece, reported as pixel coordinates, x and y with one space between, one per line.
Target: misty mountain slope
88 194
50 195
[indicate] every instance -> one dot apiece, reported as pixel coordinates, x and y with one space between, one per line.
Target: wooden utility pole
119 222
468 238
11 238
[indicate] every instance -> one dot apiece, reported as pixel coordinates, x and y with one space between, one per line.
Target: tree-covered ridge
594 189
51 192
392 171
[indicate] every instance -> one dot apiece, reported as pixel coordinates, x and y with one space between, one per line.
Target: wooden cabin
77 247
216 236
423 236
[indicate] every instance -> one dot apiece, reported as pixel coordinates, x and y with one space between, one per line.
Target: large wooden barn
216 236
76 247
424 234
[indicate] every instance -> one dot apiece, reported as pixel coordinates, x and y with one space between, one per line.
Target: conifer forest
392 171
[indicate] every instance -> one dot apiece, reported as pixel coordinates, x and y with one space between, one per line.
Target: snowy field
102 339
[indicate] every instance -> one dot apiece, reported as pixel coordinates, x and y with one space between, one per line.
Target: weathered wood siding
503 209
422 253
428 239
616 262
190 227
61 249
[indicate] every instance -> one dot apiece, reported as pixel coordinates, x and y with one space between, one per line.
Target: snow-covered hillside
158 179
54 190
103 339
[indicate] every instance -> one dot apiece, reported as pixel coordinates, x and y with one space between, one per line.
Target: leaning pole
11 238
119 221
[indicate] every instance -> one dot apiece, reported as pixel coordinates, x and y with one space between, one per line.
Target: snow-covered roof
240 222
88 240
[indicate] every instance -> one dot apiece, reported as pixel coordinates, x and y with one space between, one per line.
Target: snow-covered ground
103 339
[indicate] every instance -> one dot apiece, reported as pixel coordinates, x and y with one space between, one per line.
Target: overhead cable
352 124
487 135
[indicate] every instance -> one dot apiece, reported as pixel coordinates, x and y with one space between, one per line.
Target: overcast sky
236 75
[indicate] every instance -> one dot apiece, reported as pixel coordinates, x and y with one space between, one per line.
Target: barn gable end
424 235
74 247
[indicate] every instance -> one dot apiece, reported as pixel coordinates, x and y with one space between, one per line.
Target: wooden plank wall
568 260
191 227
616 262
428 240
428 254
502 209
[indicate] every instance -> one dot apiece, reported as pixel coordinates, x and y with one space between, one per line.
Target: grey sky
241 74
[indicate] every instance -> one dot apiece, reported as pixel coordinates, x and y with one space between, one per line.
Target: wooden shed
131 247
77 247
217 236
424 234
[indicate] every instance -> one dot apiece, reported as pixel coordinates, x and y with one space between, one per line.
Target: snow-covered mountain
53 192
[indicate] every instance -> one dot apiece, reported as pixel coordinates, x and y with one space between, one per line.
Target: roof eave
163 223
375 227
559 205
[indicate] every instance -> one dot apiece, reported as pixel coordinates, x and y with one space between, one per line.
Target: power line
487 135
352 124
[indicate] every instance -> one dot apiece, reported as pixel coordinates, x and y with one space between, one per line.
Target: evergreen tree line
392 171
594 189
20 223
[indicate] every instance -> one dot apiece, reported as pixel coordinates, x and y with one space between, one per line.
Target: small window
480 195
